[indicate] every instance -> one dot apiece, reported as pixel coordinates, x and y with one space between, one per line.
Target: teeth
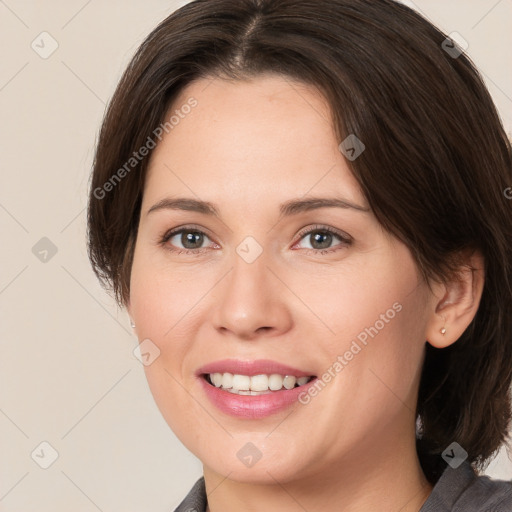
227 380
241 382
259 383
256 384
275 382
289 382
216 379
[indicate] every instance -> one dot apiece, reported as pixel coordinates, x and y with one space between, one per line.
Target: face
318 288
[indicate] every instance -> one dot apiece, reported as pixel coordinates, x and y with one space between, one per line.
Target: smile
256 384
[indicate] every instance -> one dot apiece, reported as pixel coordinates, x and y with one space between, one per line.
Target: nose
251 301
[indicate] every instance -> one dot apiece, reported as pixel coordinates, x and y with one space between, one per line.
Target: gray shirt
457 490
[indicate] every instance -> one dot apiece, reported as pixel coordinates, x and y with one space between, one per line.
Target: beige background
68 375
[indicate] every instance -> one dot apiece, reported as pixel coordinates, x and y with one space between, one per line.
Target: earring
443 329
132 325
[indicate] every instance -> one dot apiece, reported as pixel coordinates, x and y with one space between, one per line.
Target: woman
301 206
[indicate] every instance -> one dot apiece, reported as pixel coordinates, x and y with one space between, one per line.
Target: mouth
253 389
254 385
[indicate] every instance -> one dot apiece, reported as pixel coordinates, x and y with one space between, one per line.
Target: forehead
266 135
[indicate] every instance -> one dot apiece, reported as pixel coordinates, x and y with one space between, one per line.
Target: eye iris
318 236
191 237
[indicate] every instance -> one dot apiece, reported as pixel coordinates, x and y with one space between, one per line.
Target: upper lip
250 368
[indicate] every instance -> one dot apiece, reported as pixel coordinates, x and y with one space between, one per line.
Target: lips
251 406
250 368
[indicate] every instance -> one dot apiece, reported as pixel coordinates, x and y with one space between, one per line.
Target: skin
247 147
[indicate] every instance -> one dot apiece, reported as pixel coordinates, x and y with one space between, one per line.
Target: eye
321 238
190 238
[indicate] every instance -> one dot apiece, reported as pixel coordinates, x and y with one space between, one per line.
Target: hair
435 169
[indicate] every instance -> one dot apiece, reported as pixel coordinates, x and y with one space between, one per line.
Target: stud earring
132 324
443 329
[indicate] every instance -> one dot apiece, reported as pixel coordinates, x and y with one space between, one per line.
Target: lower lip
253 406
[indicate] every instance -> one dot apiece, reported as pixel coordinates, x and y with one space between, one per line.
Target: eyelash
345 239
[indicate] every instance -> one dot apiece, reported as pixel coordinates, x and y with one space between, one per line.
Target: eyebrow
292 207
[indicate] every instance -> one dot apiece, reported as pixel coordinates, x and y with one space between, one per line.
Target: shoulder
487 495
462 490
195 500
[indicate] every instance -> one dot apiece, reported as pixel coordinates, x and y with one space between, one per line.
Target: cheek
156 309
360 301
162 304
159 296
377 316
384 373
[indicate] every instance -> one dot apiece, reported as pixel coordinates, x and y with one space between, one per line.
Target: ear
455 303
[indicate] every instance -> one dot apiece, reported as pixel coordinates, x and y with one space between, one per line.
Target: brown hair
434 170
